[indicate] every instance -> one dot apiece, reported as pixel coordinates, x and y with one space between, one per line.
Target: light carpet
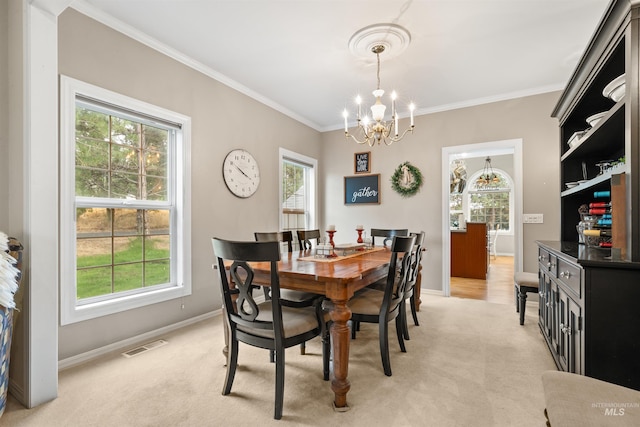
469 363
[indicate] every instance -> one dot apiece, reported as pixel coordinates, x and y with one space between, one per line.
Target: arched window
492 203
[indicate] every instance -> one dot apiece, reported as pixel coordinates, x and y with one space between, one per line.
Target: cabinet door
574 337
569 333
545 304
562 341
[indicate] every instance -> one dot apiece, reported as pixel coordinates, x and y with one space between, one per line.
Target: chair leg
303 348
279 384
232 363
326 352
272 356
355 326
414 312
516 291
384 347
400 326
522 296
405 325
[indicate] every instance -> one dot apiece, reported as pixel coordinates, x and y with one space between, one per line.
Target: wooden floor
498 287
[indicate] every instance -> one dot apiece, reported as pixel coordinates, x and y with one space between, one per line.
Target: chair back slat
276 236
415 264
401 250
387 234
242 309
305 236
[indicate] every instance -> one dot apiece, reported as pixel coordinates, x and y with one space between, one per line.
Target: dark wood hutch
588 294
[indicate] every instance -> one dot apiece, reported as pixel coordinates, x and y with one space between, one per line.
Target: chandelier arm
368 140
399 137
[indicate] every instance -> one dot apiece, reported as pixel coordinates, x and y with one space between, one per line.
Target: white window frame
180 177
468 191
311 202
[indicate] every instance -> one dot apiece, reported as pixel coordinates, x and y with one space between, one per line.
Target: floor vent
143 348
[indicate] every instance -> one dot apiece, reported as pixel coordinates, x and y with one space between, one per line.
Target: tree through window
124 203
491 204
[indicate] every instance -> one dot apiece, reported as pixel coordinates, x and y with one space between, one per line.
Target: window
124 203
297 192
491 205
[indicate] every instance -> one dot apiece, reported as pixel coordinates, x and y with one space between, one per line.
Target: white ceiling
293 54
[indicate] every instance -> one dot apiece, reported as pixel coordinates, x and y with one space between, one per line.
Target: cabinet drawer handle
566 274
565 329
541 257
541 293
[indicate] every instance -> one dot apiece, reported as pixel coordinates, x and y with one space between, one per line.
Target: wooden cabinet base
469 255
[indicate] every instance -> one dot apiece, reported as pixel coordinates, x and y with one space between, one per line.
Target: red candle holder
331 233
359 230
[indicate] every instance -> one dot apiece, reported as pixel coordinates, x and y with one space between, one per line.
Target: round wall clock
241 173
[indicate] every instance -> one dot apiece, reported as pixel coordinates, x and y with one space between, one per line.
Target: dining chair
387 234
271 324
277 236
297 298
409 293
375 306
305 236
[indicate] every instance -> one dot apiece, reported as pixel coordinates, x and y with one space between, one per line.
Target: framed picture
363 162
362 189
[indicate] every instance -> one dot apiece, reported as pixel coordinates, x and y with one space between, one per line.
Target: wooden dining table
338 279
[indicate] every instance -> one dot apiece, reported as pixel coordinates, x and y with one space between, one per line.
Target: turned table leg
340 338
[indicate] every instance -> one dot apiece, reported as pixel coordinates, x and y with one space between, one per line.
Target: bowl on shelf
571 184
593 120
575 138
582 181
616 89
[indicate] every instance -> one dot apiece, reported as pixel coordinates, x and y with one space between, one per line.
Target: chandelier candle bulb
411 108
345 115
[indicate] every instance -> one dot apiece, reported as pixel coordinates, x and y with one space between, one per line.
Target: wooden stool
524 283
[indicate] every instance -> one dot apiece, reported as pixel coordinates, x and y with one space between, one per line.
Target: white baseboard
17 391
130 342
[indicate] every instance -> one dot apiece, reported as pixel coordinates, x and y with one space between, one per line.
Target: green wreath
406 183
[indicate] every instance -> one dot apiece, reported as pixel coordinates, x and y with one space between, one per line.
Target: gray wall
527 118
222 119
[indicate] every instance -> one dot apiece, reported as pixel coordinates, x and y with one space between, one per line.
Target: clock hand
241 171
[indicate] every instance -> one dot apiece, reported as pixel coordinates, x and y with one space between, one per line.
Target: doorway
504 273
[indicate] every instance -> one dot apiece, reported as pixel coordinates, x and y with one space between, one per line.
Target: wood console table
469 254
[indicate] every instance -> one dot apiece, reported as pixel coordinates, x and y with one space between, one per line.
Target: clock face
241 173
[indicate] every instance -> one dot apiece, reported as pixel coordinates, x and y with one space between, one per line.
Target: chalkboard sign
361 189
362 162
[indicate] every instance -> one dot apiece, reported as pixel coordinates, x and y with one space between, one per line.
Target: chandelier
488 179
375 129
